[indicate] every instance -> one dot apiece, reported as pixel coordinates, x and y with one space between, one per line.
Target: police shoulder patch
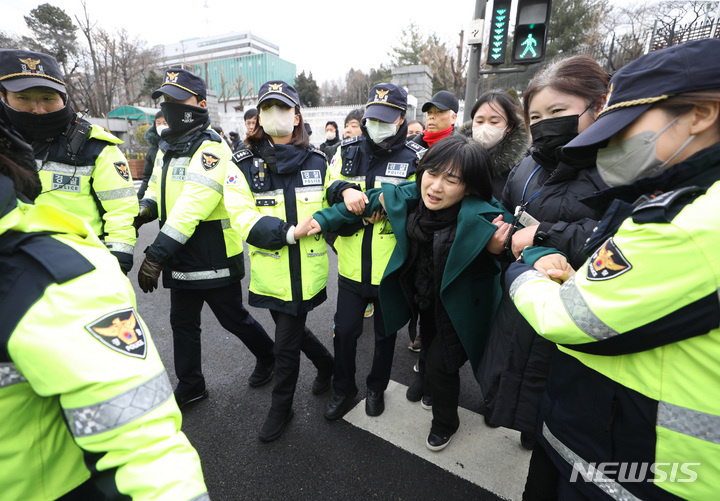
319 152
241 155
419 150
122 169
209 160
350 140
607 262
663 208
121 332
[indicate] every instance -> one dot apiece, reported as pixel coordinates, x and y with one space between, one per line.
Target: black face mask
182 119
553 133
39 127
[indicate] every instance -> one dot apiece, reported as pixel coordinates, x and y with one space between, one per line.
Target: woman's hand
315 227
376 217
355 200
304 227
523 238
555 267
496 243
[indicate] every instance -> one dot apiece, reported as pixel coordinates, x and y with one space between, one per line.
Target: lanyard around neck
523 203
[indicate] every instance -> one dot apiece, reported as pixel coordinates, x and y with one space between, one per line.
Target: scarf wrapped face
181 119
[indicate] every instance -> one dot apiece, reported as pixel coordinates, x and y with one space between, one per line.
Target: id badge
527 220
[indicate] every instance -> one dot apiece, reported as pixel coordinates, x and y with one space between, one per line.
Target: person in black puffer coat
497 124
561 101
152 136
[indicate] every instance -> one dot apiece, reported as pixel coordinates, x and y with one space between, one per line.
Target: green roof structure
140 113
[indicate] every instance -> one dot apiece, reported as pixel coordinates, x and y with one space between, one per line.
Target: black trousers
348 329
291 338
227 305
438 382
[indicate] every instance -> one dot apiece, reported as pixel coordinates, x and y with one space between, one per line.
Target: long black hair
464 157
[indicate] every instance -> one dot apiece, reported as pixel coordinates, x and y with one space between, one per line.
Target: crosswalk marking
489 457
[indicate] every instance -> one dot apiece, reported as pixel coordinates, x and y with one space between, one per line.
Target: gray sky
324 37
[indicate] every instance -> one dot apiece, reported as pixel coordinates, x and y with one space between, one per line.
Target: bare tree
242 90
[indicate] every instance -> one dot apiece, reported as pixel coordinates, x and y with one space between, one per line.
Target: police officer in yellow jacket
278 183
86 405
379 155
186 193
631 409
81 168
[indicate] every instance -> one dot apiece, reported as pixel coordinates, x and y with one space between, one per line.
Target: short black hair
330 122
355 114
252 112
464 157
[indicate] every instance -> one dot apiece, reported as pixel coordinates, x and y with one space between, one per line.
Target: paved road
356 458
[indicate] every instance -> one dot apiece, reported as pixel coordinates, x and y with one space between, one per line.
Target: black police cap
181 84
652 78
23 69
385 102
282 91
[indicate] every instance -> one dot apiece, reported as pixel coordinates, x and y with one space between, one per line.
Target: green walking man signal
531 25
529 44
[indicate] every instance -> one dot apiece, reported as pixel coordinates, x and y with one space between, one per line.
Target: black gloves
144 216
148 274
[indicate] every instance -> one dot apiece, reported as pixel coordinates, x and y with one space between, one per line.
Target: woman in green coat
449 230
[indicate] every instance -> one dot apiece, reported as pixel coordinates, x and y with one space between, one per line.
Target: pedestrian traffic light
531 25
498 32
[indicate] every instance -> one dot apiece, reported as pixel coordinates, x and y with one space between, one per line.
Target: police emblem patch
607 262
171 76
121 332
122 169
381 95
209 161
31 64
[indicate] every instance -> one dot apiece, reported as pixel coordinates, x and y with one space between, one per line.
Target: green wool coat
470 289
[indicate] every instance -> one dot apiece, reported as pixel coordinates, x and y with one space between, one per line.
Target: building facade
234 65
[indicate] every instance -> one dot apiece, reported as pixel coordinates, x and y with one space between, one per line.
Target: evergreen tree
52 32
308 90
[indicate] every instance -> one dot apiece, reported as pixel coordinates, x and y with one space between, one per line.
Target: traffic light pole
473 73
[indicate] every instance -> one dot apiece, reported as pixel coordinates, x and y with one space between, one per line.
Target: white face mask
488 135
330 135
278 122
161 128
379 131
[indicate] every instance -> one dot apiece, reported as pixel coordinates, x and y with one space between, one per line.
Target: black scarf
422 222
182 120
39 127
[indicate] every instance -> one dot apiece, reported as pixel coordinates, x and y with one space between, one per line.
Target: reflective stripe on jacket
186 192
95 185
83 392
363 255
263 205
639 327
